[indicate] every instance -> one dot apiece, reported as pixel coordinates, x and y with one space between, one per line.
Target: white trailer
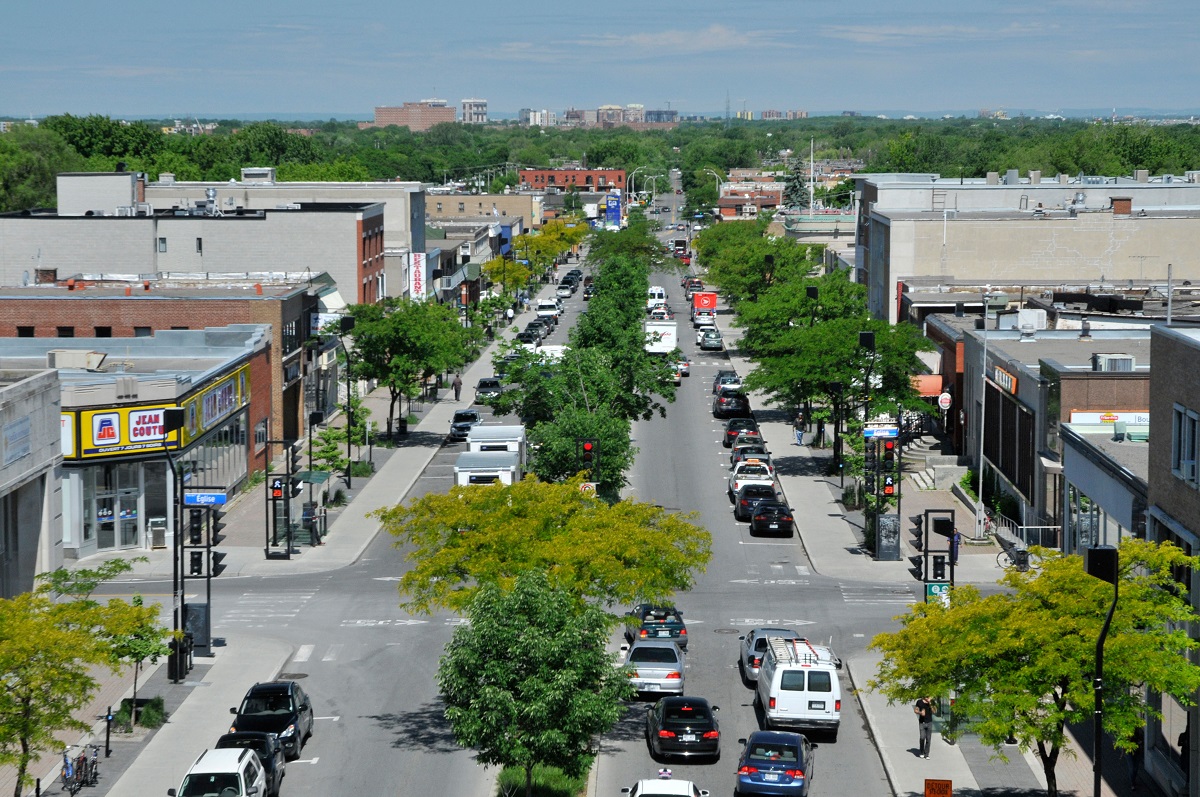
485 439
486 467
662 337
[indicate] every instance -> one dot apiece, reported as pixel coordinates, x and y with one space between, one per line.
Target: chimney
128 291
958 310
145 285
71 284
1085 328
1141 175
1035 177
1063 178
1122 205
258 288
1012 177
993 178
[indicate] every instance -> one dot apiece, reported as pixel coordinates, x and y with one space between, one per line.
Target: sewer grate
292 676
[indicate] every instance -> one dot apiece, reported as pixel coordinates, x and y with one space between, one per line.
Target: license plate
773 526
662 632
688 737
771 776
816 705
639 685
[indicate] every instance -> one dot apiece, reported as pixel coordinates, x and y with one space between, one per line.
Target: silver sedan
754 647
656 665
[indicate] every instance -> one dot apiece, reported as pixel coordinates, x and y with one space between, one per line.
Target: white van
655 296
798 686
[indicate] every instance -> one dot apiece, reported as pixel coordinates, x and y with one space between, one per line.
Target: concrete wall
101 192
1176 380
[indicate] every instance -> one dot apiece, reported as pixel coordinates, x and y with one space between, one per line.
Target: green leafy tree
478 535
399 342
528 681
30 161
795 189
556 447
509 274
48 648
1022 661
137 644
329 449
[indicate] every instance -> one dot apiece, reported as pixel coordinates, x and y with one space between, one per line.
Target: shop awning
928 385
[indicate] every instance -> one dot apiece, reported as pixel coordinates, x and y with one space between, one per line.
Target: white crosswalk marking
262 609
877 595
303 653
802 570
332 653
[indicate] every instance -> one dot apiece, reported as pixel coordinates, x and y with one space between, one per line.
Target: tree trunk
528 780
137 665
1049 759
22 767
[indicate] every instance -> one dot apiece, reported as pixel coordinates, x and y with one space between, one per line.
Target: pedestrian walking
509 315
457 385
798 427
925 708
955 542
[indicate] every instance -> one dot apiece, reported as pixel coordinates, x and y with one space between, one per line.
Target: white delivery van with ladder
798 686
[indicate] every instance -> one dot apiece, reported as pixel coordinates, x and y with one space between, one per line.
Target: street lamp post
629 198
980 518
347 326
836 389
717 178
1102 562
173 420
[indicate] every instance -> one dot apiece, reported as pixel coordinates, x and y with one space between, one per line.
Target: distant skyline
307 59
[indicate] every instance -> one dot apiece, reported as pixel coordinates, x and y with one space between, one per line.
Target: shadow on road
424 728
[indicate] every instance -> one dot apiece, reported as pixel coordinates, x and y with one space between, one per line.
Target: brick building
416 116
565 179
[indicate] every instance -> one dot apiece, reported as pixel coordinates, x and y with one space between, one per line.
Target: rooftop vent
1113 363
75 358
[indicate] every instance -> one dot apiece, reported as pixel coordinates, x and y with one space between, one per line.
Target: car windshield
211 784
653 655
266 704
465 416
675 716
757 491
752 470
778 752
489 383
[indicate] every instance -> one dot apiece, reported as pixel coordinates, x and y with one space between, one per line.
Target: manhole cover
726 631
292 676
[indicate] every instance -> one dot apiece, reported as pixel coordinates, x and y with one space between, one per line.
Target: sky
320 58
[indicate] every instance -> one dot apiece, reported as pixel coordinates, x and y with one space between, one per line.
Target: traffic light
889 484
889 456
196 527
295 487
216 518
869 481
196 563
217 568
295 457
587 453
939 567
276 488
870 462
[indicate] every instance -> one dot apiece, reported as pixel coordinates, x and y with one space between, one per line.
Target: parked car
772 517
775 763
651 621
227 773
486 389
752 471
461 423
710 340
565 290
656 665
529 338
747 499
537 330
684 366
661 312
754 648
588 292
730 404
683 726
737 426
279 707
268 749
748 447
703 318
726 378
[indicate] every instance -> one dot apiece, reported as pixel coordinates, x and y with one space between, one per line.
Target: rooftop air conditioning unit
1113 362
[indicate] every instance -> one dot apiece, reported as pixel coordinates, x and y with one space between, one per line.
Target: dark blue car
775 763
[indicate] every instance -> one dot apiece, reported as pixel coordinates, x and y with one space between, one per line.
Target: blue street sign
203 499
882 431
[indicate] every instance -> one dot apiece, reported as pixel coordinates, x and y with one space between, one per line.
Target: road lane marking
332 653
303 653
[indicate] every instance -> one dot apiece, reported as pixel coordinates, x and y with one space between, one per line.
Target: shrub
152 713
547 782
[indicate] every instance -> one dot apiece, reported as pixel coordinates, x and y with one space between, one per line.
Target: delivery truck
662 337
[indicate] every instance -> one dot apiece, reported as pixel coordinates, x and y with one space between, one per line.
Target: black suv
278 707
268 749
729 403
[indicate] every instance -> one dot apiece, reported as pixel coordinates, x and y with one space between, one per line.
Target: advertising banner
122 430
612 210
704 300
417 277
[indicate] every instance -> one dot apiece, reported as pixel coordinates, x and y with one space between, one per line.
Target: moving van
798 686
655 296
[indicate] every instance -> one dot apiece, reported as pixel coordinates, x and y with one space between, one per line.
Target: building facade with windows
117 490
566 179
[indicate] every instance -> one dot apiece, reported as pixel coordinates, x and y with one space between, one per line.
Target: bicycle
93 766
1017 558
73 772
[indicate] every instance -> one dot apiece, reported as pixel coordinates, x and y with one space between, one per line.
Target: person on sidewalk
925 708
509 315
457 385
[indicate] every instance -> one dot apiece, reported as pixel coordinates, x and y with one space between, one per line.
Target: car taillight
674 676
786 518
772 703
794 773
747 770
837 705
760 517
712 734
664 734
756 661
683 632
744 502
643 633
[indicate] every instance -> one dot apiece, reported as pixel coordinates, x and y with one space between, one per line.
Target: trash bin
176 665
402 427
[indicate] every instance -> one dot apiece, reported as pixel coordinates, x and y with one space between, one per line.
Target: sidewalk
153 762
832 537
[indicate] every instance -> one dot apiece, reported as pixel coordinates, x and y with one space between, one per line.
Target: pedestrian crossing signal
889 484
277 488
